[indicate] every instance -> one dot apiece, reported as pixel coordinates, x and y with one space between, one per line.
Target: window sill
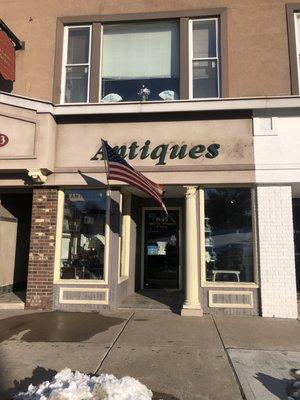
114 103
122 279
78 282
188 105
242 285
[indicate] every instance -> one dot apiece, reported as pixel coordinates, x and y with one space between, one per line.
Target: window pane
204 39
205 79
298 27
78 46
228 235
83 238
76 84
138 54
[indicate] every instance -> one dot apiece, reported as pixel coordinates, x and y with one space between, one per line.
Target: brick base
42 249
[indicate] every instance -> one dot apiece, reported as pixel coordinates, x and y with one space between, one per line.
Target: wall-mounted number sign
3 140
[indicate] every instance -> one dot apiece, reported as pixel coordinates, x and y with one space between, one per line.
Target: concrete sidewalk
262 351
177 357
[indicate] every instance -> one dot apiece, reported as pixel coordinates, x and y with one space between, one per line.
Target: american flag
118 169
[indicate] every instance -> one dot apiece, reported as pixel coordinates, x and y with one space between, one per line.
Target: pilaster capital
37 176
190 191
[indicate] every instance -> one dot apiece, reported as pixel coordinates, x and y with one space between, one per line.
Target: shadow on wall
19 205
5 86
278 387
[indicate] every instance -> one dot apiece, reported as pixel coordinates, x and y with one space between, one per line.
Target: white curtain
140 50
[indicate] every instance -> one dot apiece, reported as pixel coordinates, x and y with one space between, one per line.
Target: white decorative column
191 306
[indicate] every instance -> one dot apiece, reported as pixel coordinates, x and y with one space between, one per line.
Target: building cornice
223 104
26 102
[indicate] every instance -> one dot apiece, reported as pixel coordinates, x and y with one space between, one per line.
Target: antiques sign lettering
162 152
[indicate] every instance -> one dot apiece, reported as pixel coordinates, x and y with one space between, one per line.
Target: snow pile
293 390
67 385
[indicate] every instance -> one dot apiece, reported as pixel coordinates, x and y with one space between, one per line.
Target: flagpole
104 151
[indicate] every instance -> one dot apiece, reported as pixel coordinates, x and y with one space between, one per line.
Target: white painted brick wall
276 252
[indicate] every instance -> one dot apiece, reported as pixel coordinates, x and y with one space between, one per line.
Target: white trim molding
220 104
213 304
63 290
236 285
216 58
264 123
65 64
59 231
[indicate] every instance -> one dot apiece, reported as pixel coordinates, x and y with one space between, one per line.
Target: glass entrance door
161 249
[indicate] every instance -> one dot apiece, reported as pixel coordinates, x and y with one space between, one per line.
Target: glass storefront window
83 236
228 235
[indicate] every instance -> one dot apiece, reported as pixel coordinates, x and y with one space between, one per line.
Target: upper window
297 31
76 71
204 58
139 61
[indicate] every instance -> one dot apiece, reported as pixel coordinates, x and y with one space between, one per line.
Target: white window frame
204 281
297 33
191 58
100 65
58 238
65 65
177 20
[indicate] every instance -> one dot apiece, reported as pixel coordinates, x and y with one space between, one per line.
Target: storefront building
214 127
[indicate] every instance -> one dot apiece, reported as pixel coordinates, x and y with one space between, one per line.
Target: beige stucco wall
31 136
257 39
8 237
78 143
65 147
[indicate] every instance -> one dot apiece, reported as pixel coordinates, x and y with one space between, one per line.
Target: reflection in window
140 55
83 237
228 235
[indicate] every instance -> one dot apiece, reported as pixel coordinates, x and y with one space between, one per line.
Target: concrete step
12 301
12 306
